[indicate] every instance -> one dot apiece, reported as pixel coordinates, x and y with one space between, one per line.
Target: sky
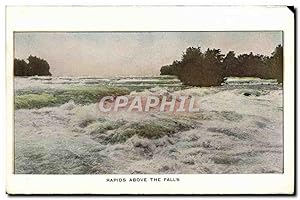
108 54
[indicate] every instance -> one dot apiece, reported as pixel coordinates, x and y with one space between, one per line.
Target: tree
173 69
192 55
38 66
276 64
251 65
231 64
211 67
21 68
35 66
197 68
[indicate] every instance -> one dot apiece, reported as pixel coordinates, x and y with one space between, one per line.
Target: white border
159 18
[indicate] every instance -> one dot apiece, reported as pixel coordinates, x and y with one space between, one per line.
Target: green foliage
35 66
197 68
276 63
211 67
231 64
21 68
173 69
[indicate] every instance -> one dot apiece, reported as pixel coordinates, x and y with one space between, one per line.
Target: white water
46 82
235 133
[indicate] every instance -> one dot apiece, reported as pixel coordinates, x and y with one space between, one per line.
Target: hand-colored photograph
148 102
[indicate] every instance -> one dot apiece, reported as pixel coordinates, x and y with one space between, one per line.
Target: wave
232 133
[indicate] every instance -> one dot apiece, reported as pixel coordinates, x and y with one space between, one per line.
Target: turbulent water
59 129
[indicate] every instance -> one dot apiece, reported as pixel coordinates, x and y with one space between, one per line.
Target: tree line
34 66
209 68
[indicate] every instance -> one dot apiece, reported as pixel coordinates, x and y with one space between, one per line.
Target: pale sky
107 54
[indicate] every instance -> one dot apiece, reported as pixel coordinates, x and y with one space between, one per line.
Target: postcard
150 100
